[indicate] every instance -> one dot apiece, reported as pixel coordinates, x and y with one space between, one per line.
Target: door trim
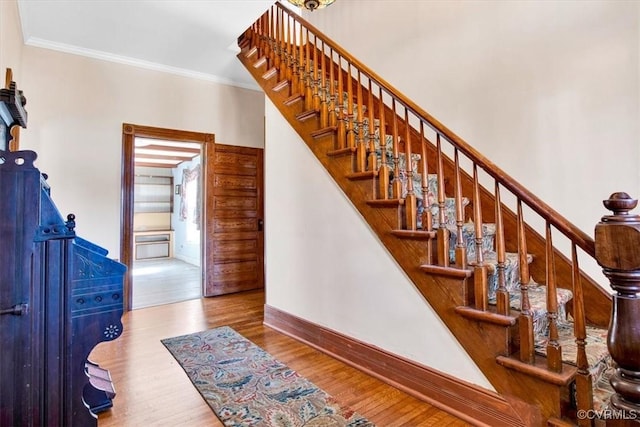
129 133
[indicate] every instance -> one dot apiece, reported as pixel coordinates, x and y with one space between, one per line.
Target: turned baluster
324 93
525 320
342 120
283 48
427 221
584 387
315 81
308 92
271 38
295 62
275 41
301 63
410 200
554 350
361 149
443 231
480 283
617 239
333 113
502 294
260 32
373 161
290 51
383 172
252 35
396 183
461 247
351 136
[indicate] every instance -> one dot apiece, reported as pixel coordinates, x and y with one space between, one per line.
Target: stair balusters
396 184
443 232
351 137
525 320
480 268
461 248
554 350
308 91
584 386
502 295
383 172
361 150
373 160
410 200
324 92
290 53
333 96
302 63
315 82
427 218
274 56
342 120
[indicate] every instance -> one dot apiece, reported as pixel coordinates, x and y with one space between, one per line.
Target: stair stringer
533 399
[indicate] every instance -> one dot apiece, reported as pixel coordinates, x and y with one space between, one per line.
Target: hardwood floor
153 390
164 281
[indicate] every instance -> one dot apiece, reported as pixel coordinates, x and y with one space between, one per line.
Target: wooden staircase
436 204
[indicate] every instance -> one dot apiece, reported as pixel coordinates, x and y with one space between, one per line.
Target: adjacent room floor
164 281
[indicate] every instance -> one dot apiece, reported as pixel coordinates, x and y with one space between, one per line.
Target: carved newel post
617 239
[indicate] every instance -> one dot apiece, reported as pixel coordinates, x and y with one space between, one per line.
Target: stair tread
341 152
326 131
361 175
539 369
281 85
296 97
451 271
414 234
486 316
307 114
386 202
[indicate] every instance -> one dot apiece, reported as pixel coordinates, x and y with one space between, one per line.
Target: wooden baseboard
469 402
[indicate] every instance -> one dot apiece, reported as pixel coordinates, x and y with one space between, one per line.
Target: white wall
547 90
10 40
76 110
324 263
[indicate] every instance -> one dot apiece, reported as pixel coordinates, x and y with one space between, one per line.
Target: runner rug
246 386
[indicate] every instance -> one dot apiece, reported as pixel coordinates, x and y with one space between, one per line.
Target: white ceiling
196 38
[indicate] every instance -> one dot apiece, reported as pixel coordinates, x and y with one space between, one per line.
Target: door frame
129 133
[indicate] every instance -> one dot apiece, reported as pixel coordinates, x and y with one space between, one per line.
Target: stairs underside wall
325 264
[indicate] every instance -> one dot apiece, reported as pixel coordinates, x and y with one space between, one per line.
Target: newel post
617 240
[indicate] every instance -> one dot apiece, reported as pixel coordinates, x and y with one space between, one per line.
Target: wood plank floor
153 390
164 281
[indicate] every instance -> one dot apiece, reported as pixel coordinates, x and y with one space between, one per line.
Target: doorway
151 193
166 222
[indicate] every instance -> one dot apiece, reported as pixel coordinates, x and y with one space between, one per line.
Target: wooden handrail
560 223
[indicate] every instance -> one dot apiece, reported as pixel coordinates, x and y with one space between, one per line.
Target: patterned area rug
246 386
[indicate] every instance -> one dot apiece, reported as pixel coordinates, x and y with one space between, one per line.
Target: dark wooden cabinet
60 295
